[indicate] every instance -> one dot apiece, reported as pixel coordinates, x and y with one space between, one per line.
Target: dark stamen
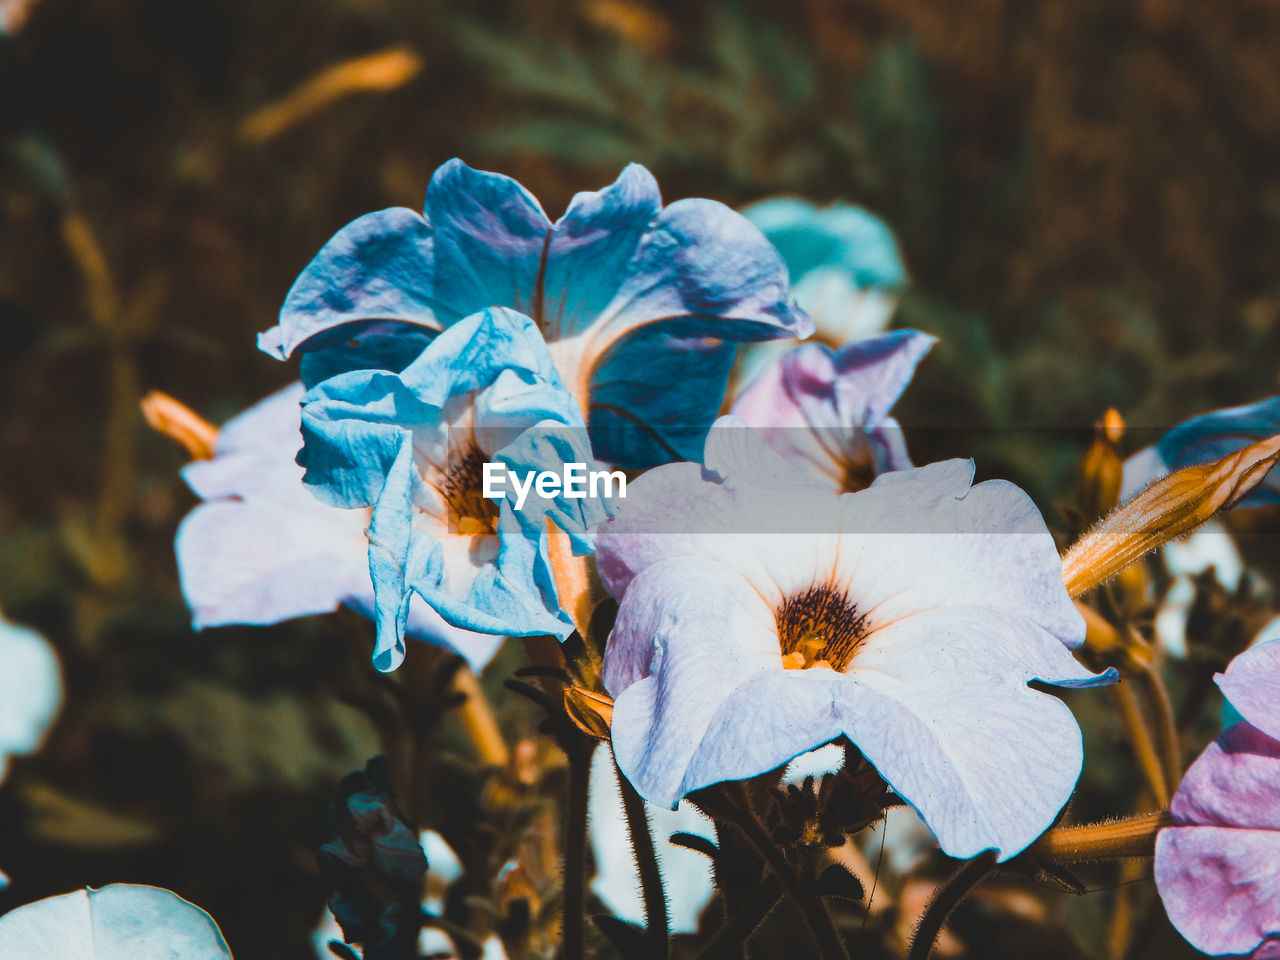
820 625
469 511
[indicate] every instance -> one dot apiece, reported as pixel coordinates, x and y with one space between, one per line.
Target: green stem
1166 730
573 943
945 899
655 898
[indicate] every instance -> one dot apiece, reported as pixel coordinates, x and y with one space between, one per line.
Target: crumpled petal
1252 684
263 549
595 282
831 408
365 434
1216 867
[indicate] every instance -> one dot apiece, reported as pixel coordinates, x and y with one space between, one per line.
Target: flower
909 617
1205 438
829 410
642 306
1215 867
412 445
845 267
262 548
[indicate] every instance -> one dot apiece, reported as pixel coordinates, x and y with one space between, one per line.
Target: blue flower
642 306
262 548
412 446
828 410
762 615
845 267
1206 438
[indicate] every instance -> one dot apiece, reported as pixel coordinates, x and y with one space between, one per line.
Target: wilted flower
1205 438
828 411
762 616
846 270
263 549
1216 866
642 306
375 864
413 445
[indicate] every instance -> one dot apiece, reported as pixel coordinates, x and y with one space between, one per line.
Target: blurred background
1086 195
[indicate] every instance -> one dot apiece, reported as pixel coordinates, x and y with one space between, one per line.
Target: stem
573 943
830 947
1166 731
743 922
655 898
1143 747
478 720
1114 840
945 900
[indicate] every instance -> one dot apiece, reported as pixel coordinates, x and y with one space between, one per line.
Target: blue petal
380 267
1211 436
490 240
809 237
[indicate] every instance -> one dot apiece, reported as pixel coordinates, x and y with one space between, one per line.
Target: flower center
819 627
470 513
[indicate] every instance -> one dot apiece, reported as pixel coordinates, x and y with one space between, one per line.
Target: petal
843 235
654 397
923 538
379 267
1215 869
1213 435
263 561
1251 682
702 260
591 248
30 690
117 921
1234 783
490 237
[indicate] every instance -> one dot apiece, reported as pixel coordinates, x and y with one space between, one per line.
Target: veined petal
1251 684
490 239
925 538
379 267
1215 868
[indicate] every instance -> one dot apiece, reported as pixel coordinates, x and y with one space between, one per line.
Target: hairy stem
655 897
1111 840
1166 730
945 900
573 944
729 940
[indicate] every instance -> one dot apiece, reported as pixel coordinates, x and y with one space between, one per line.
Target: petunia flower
413 446
845 267
829 410
262 548
1216 866
1202 439
762 616
642 306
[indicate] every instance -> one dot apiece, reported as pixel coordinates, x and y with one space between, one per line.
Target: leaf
123 921
836 881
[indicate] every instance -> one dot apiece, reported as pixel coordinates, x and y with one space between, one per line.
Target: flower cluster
780 579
